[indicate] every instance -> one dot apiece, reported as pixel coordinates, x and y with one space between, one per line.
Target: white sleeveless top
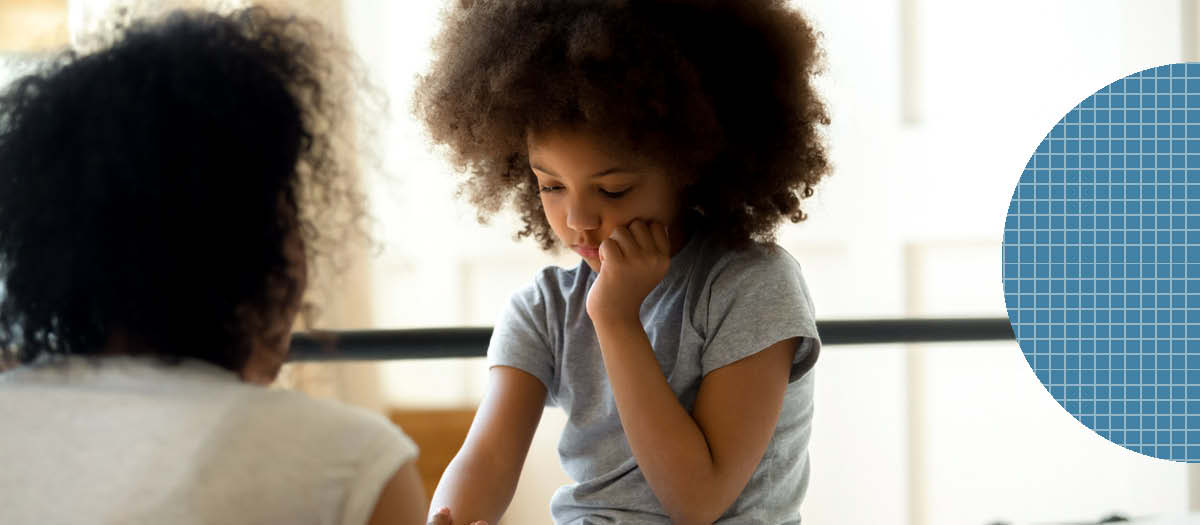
132 440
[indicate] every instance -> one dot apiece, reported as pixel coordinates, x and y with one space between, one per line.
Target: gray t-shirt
714 307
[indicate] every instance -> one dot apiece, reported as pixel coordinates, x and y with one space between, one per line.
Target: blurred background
936 106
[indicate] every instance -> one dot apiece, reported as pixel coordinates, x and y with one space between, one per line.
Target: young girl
663 141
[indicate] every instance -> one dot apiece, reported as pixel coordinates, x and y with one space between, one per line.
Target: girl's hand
443 518
633 260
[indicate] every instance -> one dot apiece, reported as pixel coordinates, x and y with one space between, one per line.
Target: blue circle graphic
1102 262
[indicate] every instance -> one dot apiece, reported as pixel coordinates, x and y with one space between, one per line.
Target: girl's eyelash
606 193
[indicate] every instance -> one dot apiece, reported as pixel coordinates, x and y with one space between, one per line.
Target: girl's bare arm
697 464
480 481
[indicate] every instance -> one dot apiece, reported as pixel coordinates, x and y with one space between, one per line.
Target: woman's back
163 198
134 440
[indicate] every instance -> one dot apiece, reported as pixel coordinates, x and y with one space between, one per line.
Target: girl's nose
581 216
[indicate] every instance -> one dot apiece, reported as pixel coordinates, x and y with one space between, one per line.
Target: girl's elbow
705 500
695 514
698 507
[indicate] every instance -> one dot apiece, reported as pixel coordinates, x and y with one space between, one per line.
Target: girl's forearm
671 448
476 487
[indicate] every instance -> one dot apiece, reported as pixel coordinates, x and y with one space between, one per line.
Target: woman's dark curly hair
718 90
148 189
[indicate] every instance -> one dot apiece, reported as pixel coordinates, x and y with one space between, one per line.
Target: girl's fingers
641 235
442 517
661 240
625 240
610 249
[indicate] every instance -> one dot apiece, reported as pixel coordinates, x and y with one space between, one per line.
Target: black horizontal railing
426 343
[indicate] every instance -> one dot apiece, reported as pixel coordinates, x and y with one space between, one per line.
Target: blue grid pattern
1102 262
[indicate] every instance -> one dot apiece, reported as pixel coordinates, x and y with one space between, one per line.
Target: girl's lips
588 251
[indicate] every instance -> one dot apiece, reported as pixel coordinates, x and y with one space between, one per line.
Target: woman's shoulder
293 440
328 436
294 410
193 393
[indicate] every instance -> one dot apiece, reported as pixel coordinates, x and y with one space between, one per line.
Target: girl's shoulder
548 297
758 263
559 285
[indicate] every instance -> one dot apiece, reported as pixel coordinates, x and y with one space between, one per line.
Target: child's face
588 189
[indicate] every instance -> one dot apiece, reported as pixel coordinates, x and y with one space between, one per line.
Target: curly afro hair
718 90
155 189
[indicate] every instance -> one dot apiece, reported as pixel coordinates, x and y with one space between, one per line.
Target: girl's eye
548 189
614 194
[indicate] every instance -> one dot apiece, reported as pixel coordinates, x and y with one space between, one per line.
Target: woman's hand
633 260
442 517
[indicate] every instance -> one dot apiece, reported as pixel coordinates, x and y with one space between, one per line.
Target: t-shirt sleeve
756 300
389 450
520 338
